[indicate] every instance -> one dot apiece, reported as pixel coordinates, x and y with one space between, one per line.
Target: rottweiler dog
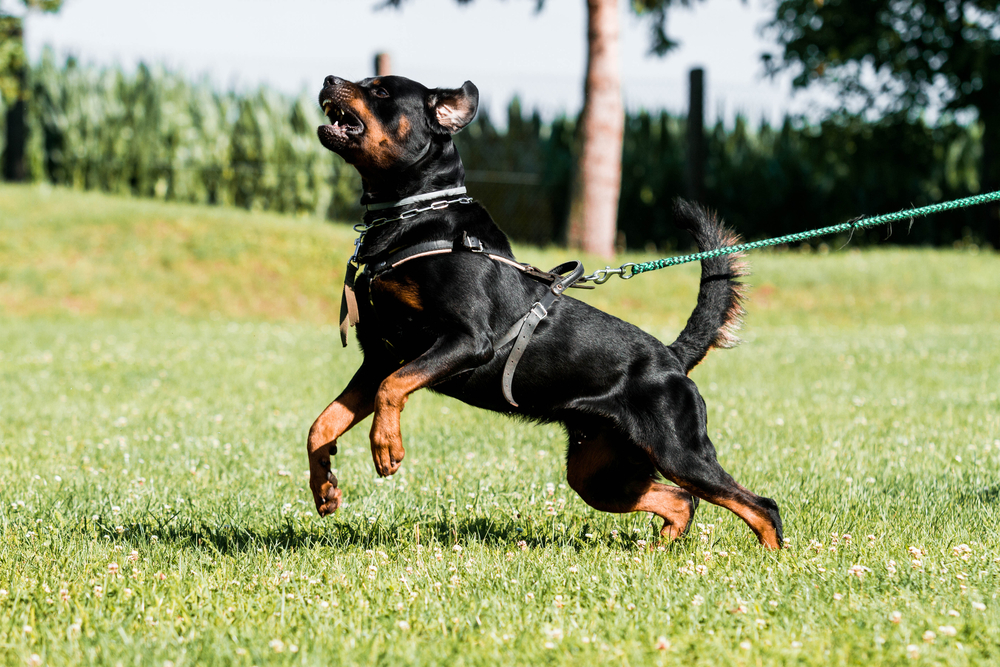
439 301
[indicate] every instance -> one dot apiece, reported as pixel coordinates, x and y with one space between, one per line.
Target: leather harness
558 279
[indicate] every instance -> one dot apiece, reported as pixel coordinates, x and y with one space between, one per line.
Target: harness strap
469 243
412 252
348 302
520 332
523 329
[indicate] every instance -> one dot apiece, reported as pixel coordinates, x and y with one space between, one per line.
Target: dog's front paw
326 494
330 498
386 462
323 483
387 451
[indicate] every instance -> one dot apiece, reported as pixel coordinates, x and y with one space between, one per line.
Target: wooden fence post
695 168
383 64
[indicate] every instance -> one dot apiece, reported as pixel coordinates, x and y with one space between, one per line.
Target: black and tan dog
441 303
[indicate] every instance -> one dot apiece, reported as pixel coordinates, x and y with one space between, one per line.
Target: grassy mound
160 365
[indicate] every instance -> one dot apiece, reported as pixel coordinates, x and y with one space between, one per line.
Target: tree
901 56
593 209
593 206
13 87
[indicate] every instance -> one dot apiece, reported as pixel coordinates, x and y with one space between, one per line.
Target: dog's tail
719 313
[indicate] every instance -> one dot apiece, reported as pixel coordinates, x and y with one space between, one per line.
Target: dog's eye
379 92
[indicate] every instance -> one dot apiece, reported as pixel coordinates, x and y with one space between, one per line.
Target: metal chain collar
364 227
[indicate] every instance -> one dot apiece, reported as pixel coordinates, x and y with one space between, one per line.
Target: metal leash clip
601 276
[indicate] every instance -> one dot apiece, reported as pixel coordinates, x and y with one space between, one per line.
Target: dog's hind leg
613 475
687 458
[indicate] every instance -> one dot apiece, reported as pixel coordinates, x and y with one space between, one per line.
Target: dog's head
386 125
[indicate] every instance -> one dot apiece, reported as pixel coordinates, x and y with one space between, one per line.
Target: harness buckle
472 243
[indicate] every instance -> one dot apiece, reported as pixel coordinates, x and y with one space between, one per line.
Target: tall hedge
153 133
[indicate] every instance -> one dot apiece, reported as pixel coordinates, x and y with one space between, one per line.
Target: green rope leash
630 270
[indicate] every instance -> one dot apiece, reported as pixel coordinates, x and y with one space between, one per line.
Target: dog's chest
392 320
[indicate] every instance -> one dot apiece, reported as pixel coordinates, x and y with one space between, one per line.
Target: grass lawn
160 366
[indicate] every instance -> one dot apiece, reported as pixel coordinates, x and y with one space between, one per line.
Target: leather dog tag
348 303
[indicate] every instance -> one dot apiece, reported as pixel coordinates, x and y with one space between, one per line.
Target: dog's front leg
445 358
354 404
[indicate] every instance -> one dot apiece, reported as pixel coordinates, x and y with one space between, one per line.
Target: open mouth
344 125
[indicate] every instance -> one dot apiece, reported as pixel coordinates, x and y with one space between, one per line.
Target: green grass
160 365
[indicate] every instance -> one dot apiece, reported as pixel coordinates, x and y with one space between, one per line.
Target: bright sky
504 46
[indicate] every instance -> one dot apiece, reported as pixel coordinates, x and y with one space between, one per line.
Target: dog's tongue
332 136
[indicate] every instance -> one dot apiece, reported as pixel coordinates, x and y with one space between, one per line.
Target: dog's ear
454 108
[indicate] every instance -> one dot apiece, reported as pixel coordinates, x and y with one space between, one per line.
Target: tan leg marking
759 523
386 438
610 480
339 417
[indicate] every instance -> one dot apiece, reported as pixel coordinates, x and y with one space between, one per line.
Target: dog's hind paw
678 523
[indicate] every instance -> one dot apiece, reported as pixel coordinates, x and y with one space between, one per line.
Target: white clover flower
858 571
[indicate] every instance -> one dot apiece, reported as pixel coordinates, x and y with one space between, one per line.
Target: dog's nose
332 81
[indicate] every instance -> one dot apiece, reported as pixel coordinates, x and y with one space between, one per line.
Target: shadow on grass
988 495
349 535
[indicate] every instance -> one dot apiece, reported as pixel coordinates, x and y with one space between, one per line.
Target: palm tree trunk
593 211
